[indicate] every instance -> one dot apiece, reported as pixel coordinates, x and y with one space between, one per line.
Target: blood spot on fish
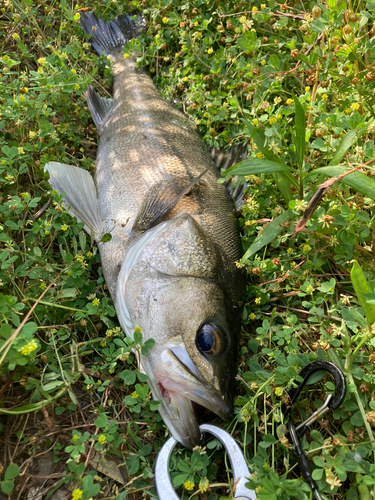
164 393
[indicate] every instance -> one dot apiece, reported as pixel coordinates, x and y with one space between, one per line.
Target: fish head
174 290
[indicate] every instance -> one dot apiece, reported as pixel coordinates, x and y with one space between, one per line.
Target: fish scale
146 141
169 262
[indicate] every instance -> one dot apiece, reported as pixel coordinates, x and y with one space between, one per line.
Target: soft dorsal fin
226 158
99 106
160 200
79 187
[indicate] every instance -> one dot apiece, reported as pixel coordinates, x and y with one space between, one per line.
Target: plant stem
363 413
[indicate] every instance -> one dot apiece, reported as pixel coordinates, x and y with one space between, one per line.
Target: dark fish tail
110 37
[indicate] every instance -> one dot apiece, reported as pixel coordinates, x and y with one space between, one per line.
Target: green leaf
101 422
253 166
268 234
106 237
7 486
128 377
12 471
29 328
358 181
299 131
346 143
258 136
25 409
361 287
283 184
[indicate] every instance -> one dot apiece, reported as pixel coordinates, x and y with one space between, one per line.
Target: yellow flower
255 122
272 120
210 50
203 485
188 485
255 9
73 71
278 391
135 395
80 258
307 89
127 56
20 151
76 86
324 97
306 248
77 494
260 156
64 227
28 348
262 6
137 329
42 61
102 439
252 316
165 20
263 62
25 89
355 106
310 289
95 302
109 333
89 255
290 251
43 286
289 102
258 300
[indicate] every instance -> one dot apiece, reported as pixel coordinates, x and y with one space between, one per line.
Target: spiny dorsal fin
160 201
79 187
99 106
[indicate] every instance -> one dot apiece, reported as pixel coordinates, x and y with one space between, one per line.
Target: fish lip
179 387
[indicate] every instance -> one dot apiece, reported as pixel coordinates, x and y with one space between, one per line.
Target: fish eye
210 338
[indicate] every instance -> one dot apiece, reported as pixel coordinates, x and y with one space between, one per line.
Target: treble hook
240 469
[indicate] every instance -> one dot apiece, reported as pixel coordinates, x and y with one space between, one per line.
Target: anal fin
79 187
99 106
160 200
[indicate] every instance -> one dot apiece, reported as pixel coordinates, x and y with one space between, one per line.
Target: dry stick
317 198
302 311
8 381
8 343
20 437
41 211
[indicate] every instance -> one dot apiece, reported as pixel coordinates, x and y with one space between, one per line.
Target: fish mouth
181 388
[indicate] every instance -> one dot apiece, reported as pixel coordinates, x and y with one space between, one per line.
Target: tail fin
110 37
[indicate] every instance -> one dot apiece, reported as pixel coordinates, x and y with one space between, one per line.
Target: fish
170 264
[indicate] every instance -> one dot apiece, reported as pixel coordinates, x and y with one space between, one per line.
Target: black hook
340 385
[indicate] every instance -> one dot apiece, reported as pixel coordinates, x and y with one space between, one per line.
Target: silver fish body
170 264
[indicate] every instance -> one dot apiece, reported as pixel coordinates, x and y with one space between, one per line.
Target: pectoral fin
79 187
160 201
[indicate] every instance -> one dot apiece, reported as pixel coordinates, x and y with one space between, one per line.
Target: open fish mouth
181 389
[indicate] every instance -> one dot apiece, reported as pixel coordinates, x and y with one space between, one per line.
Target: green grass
297 80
